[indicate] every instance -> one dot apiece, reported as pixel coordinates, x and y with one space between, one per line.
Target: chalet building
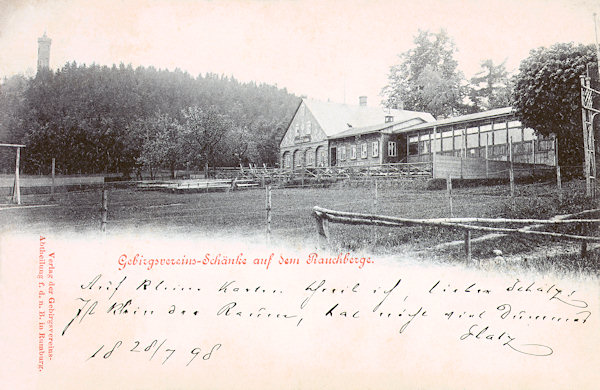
329 134
321 133
376 144
480 135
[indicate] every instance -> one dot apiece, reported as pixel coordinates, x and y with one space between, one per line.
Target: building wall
478 168
470 140
305 143
366 149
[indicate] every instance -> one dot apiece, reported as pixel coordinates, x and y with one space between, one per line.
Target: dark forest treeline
95 119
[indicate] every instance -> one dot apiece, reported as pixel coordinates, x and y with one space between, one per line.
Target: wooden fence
206 185
324 216
389 171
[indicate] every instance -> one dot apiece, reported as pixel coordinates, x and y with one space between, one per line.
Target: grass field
242 214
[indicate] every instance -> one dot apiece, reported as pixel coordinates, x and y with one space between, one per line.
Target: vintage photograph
299 194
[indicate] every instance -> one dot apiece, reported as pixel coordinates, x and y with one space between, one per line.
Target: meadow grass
242 214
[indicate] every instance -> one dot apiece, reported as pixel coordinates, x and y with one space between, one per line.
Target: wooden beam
13 145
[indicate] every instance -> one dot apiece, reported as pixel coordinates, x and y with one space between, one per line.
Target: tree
162 145
490 88
12 95
89 117
547 95
427 78
203 131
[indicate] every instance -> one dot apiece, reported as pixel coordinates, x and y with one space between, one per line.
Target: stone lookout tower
44 52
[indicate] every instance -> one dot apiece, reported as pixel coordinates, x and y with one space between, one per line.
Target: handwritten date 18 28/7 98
153 349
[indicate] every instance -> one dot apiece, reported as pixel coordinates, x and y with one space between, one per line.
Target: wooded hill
96 119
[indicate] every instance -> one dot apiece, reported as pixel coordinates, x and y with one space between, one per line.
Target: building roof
498 112
388 127
335 118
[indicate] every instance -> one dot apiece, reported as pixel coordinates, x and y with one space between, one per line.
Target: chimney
362 101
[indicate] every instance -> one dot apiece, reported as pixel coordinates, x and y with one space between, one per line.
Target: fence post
53 173
322 229
449 193
17 185
511 171
559 184
584 246
558 179
533 157
104 209
268 207
375 199
468 245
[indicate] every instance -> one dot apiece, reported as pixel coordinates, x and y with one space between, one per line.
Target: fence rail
391 170
324 216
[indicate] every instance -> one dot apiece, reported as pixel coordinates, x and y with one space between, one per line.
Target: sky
328 49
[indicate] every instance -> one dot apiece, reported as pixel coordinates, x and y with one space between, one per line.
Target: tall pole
53 174
17 186
104 210
511 170
597 46
586 153
594 162
268 208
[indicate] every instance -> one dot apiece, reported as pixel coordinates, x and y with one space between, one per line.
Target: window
298 158
363 151
392 149
413 148
528 134
308 127
545 144
309 157
342 152
458 141
486 139
353 152
473 140
500 137
297 129
437 143
516 134
375 149
447 144
514 124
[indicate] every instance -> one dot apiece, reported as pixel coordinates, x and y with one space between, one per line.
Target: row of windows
496 133
306 157
303 128
424 147
364 152
471 137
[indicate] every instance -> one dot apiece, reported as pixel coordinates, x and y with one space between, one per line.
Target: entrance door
401 145
333 160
